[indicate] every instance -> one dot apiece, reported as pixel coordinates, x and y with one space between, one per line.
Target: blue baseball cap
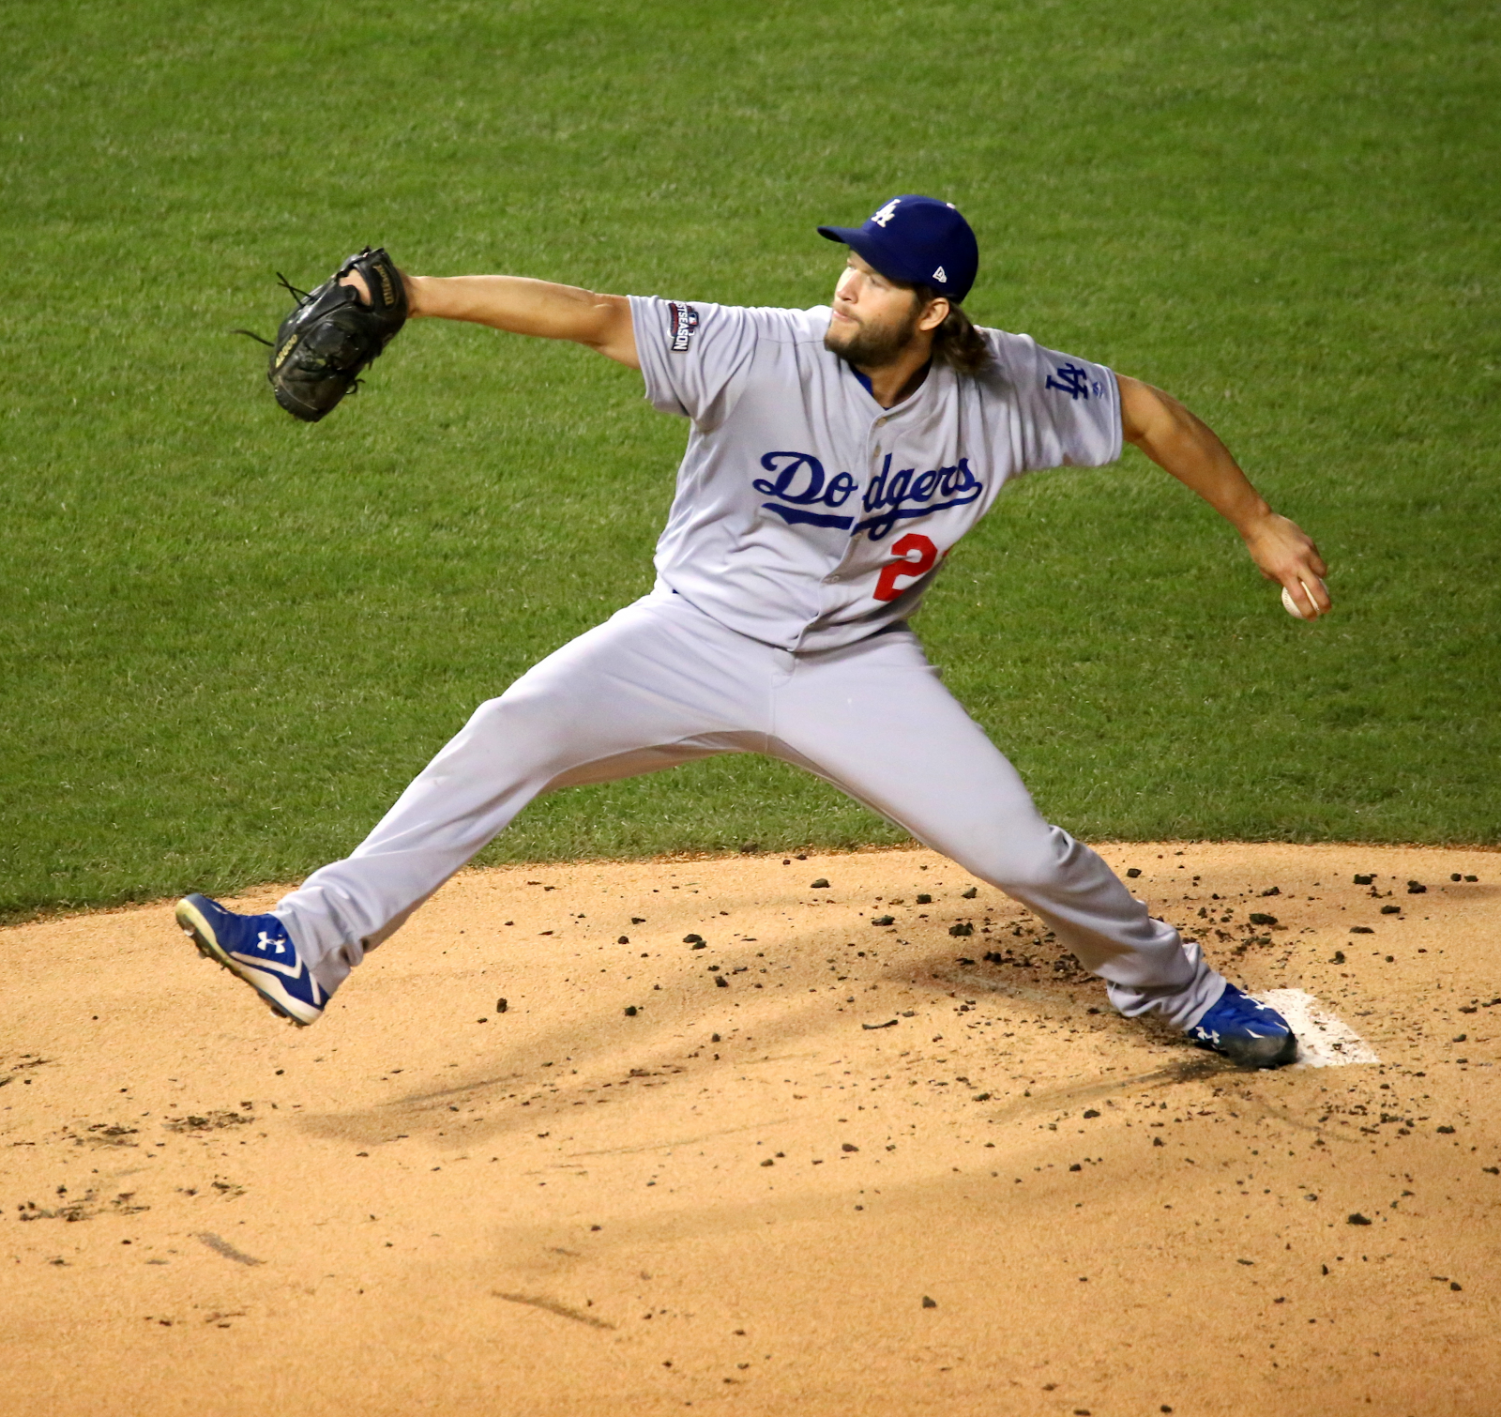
919 241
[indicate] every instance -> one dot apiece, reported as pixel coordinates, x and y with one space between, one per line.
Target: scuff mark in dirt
209 1122
223 1247
552 1306
86 1207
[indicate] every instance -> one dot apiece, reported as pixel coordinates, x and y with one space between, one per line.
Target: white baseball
1292 607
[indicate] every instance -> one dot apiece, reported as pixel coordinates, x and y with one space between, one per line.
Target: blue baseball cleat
259 950
1249 1033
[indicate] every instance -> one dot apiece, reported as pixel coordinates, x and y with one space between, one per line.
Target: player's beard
873 346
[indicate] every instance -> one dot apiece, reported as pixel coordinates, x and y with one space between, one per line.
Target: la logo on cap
886 213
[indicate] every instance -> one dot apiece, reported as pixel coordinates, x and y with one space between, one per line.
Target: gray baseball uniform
807 525
808 516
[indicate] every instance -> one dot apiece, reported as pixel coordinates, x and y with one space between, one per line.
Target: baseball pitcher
835 456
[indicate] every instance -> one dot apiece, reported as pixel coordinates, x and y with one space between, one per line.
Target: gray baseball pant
660 684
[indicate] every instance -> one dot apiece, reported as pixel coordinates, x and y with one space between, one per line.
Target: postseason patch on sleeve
684 325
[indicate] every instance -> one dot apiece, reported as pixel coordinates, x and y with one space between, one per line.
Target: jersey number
916 557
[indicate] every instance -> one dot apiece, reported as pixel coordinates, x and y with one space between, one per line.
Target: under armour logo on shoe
265 942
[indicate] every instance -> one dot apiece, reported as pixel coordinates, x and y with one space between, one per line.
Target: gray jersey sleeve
694 356
1070 408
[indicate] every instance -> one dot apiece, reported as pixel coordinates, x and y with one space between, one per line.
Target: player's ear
936 313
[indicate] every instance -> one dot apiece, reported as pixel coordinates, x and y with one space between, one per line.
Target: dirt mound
836 1135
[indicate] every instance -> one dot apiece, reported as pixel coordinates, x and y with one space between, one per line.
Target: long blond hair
956 342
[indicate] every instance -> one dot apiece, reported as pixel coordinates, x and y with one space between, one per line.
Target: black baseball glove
333 335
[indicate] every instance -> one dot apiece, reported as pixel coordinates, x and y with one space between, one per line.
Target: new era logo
940 277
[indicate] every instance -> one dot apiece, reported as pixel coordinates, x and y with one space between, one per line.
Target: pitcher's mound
826 1135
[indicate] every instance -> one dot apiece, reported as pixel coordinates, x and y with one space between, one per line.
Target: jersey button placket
848 569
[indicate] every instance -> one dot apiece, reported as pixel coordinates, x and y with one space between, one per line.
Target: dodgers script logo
892 497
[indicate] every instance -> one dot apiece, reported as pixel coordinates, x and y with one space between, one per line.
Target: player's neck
890 383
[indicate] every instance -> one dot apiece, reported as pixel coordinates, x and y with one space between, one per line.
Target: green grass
229 640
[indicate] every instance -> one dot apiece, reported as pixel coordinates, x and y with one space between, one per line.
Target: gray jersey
806 515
